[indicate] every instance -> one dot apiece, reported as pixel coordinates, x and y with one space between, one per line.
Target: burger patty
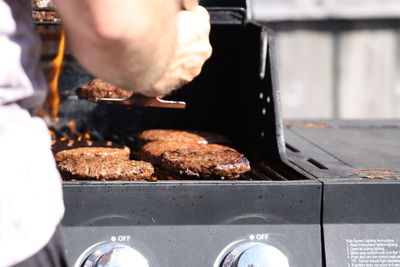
203 163
181 137
93 152
105 168
152 151
98 88
44 15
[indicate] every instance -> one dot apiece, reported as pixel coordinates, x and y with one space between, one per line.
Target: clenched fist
192 50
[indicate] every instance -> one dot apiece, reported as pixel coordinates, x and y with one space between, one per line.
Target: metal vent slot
317 164
292 148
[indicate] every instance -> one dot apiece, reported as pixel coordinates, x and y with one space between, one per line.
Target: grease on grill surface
371 174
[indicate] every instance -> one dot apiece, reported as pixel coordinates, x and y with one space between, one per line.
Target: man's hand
144 46
192 50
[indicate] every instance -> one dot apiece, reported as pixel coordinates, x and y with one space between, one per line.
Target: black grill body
196 223
357 163
193 223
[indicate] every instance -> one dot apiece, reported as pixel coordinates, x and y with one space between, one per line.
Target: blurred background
336 58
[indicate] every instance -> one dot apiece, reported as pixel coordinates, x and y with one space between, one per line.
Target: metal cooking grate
64 137
45 16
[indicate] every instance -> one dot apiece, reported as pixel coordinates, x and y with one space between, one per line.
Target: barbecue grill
313 200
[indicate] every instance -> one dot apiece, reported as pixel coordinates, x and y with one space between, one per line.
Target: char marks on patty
190 155
190 160
215 163
105 169
101 163
152 151
93 152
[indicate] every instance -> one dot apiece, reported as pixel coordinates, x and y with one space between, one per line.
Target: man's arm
127 42
130 43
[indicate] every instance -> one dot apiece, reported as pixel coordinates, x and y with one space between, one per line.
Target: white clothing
31 204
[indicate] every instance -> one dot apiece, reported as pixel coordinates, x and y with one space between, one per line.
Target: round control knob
255 254
115 255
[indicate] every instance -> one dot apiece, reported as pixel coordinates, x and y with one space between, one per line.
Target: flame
84 136
87 136
51 105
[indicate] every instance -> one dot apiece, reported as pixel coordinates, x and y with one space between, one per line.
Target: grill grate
67 137
45 16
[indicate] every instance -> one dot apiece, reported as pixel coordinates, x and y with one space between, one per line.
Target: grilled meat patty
105 168
181 137
98 88
203 163
152 151
44 15
106 163
93 152
190 154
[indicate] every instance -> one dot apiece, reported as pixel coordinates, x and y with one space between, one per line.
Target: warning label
372 253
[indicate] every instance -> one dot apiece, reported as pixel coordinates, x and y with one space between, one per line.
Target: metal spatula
140 100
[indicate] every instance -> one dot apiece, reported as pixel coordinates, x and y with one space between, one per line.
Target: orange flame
51 105
85 136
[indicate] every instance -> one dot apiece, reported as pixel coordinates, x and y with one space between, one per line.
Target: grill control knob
115 255
255 254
